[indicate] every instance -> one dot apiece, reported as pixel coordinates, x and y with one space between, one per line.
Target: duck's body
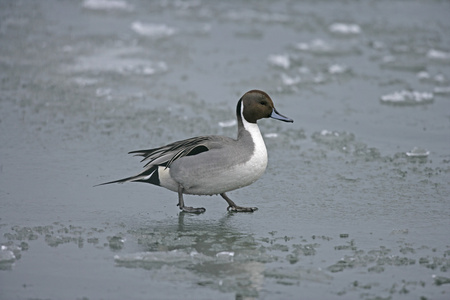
210 165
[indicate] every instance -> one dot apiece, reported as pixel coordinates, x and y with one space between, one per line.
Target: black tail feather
154 178
116 181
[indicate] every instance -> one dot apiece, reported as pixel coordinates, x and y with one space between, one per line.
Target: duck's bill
276 115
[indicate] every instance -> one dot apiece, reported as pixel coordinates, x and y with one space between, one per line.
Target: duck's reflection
206 253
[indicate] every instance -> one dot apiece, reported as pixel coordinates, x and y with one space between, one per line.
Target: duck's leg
188 209
233 207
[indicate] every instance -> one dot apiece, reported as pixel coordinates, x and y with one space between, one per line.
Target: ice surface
80 87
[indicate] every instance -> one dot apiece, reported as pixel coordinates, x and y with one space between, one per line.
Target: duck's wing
166 155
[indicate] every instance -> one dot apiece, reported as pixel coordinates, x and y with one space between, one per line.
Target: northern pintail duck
211 165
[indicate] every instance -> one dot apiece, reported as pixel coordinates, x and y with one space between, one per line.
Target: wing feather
166 155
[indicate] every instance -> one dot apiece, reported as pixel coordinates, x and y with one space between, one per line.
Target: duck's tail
149 175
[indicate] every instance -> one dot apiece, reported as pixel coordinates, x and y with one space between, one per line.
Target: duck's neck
248 129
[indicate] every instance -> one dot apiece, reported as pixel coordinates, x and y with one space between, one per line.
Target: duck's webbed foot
188 209
195 210
235 208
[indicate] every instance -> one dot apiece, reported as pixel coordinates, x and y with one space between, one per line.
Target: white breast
254 168
223 179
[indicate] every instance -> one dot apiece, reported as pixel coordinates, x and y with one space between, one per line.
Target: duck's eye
262 102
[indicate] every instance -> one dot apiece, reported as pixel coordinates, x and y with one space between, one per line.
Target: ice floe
317 45
152 30
107 5
343 28
438 54
418 152
405 97
228 123
337 69
282 60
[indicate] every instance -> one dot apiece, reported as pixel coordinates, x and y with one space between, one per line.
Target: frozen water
354 202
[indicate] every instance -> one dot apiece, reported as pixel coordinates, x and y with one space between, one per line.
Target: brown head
257 105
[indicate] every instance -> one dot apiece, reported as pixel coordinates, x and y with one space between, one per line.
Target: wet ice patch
121 60
334 139
155 259
152 30
343 28
107 5
407 98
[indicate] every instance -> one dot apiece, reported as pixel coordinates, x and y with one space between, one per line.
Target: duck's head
257 105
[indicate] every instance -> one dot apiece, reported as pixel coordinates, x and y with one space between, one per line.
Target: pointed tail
117 181
149 176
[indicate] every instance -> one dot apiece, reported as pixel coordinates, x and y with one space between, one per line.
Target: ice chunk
423 75
152 30
438 54
418 152
288 80
107 5
271 135
316 46
343 28
228 123
442 90
225 255
337 69
282 61
407 98
6 256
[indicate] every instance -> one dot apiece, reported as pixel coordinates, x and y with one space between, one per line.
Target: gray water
355 202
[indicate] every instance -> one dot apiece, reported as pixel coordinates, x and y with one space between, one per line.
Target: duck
212 164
